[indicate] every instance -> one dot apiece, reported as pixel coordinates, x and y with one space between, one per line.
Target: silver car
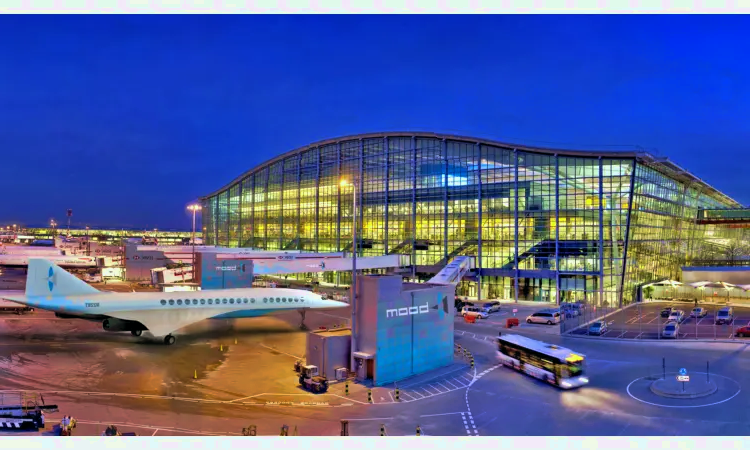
671 330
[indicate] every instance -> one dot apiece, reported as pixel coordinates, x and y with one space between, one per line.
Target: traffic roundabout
668 391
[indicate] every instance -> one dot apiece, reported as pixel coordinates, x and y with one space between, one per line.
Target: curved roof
661 164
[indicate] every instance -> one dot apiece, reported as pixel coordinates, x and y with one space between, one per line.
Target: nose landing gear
302 325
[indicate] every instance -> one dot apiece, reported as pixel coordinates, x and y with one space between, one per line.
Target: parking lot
645 322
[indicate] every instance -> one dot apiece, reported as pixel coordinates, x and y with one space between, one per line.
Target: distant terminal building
543 224
115 236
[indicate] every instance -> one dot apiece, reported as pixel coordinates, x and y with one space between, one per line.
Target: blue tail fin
45 278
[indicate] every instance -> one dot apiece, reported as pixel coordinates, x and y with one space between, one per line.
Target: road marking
435 388
459 382
638 337
623 334
466 379
430 393
466 425
444 386
454 386
444 414
415 392
155 431
279 351
441 375
410 396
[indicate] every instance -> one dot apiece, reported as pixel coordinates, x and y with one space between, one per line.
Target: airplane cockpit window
163 302
171 302
203 301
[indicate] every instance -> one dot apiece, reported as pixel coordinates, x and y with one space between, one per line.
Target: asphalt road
617 401
645 322
245 377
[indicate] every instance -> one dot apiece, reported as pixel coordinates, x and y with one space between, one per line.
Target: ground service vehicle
311 381
552 364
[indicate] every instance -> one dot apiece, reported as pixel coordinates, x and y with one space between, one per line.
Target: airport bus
550 363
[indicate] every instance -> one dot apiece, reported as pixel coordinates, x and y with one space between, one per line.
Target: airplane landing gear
169 339
302 325
136 333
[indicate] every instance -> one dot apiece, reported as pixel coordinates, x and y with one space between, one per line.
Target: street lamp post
194 209
354 266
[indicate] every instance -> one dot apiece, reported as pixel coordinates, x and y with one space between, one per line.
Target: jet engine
112 324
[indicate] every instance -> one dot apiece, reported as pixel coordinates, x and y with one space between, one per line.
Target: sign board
515 310
683 371
683 378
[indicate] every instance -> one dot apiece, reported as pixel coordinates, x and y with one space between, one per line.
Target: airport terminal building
543 224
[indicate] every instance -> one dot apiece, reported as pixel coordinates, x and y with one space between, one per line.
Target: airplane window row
231 301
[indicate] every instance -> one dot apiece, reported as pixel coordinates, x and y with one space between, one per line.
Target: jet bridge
454 271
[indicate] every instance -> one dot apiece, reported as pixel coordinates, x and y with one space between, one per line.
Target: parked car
598 328
676 316
743 331
571 309
549 317
491 307
474 311
666 311
725 315
698 313
671 330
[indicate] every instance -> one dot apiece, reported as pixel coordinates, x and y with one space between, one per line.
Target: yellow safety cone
419 431
195 375
235 341
221 347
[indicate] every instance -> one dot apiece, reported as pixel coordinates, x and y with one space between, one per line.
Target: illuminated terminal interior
589 226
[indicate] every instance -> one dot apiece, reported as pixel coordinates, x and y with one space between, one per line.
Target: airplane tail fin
46 278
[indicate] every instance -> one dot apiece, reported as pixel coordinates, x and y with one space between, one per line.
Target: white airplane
51 288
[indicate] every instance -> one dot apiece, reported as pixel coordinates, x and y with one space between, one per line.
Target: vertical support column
557 229
387 182
444 151
227 219
479 224
281 205
265 212
298 234
414 207
359 222
252 211
627 235
317 199
239 211
515 218
601 232
338 201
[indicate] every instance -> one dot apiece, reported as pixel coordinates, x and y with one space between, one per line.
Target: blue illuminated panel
415 335
226 274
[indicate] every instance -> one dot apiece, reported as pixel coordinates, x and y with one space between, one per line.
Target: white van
548 316
474 311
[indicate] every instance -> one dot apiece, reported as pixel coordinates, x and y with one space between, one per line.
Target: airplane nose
334 304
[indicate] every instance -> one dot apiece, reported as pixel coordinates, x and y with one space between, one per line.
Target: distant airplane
51 288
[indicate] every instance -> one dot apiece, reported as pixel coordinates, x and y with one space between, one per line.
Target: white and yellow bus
550 363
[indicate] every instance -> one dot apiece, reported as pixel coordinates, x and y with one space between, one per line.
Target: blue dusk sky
127 119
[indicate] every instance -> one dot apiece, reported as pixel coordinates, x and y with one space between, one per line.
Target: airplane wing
164 322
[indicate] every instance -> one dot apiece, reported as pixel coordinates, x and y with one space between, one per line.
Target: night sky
127 119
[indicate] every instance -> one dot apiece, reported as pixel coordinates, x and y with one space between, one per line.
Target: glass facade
542 224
